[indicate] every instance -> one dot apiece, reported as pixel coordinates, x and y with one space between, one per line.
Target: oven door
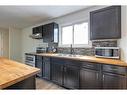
30 64
30 60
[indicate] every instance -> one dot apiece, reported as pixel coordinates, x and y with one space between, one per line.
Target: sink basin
68 55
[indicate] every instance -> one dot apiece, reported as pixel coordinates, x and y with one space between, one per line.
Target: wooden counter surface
89 59
12 72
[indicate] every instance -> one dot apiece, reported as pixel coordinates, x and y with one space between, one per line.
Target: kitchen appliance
36 36
41 50
107 52
30 59
51 50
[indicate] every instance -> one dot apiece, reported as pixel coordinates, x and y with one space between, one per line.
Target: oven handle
30 64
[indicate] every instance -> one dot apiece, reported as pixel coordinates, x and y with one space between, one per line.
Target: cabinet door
114 81
89 79
55 37
57 73
38 64
71 77
46 68
105 23
50 32
47 32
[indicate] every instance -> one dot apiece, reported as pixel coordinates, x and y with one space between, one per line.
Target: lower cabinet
38 64
57 73
46 68
82 75
65 75
114 81
71 77
89 79
114 77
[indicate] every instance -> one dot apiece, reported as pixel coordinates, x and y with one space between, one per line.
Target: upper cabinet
105 23
37 32
50 32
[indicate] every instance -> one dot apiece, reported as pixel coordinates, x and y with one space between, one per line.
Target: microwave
107 52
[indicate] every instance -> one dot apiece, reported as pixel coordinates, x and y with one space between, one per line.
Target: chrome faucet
71 49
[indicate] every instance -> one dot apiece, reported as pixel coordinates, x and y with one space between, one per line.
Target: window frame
89 45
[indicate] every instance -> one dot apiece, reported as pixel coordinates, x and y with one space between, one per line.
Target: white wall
123 41
5 33
29 44
15 43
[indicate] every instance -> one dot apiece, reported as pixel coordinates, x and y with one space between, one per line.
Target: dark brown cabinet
113 81
57 73
114 77
50 32
71 77
38 64
89 79
46 68
105 23
64 74
74 74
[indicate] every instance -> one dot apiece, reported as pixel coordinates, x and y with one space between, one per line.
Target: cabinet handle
89 65
97 75
114 68
103 77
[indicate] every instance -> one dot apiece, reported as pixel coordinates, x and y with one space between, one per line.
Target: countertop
87 58
12 72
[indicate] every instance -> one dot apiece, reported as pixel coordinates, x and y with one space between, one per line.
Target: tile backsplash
88 51
104 43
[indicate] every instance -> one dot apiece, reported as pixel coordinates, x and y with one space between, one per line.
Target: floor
46 85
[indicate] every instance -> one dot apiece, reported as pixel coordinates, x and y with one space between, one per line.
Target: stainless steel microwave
107 52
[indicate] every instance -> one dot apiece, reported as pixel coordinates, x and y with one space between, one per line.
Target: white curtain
1 44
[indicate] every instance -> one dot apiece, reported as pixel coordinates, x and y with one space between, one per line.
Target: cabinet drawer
57 60
114 69
90 65
72 63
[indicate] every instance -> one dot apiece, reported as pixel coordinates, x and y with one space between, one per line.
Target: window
76 34
67 33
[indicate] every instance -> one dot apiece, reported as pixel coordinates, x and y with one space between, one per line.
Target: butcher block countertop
87 58
12 72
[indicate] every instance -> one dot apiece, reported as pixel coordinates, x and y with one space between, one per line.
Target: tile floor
46 85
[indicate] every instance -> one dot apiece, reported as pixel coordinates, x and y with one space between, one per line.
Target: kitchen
67 57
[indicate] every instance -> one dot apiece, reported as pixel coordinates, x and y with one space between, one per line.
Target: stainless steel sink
68 55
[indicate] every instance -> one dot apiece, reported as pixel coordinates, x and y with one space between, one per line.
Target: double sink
67 55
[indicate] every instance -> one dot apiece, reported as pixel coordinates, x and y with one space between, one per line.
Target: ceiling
24 16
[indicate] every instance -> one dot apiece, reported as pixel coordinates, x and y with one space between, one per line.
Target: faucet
71 49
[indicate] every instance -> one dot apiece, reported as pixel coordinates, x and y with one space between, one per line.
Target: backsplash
88 51
104 43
